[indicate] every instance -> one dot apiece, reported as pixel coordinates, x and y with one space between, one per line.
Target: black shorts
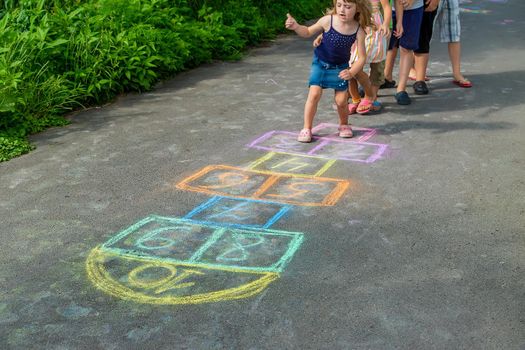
425 32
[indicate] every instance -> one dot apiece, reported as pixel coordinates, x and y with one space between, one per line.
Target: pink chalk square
329 130
322 147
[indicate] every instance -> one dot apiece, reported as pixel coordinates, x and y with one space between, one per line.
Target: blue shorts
411 27
326 75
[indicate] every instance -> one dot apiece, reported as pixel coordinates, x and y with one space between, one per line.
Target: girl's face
345 10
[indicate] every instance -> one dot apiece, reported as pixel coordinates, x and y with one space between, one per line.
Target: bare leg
354 90
412 75
375 90
421 64
364 80
406 60
310 107
454 52
341 100
389 63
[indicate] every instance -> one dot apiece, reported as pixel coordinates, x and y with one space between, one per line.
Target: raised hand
290 22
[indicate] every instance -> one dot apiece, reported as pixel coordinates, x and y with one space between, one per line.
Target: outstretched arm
304 31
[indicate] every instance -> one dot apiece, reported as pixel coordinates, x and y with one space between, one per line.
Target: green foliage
60 55
11 147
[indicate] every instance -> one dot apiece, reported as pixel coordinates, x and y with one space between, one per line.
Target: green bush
60 55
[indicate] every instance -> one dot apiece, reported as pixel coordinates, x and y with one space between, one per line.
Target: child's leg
454 53
366 103
406 61
389 63
393 45
354 91
341 101
310 107
377 78
408 43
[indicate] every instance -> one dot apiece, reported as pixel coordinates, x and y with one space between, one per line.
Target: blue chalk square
234 212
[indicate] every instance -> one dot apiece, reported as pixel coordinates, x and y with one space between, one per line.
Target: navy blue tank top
335 47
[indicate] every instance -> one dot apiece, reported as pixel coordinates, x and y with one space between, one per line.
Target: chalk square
312 191
364 152
282 141
225 181
235 212
265 250
292 164
159 237
330 130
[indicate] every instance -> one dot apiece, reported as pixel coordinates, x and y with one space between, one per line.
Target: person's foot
402 98
376 106
345 131
388 84
305 135
420 88
412 74
464 83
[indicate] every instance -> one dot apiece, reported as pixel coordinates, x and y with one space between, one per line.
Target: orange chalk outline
330 199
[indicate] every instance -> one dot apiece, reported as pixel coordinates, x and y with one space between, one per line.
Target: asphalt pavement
189 218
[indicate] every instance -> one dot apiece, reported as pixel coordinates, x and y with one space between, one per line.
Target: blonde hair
363 14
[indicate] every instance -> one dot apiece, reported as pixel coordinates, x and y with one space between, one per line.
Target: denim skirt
326 75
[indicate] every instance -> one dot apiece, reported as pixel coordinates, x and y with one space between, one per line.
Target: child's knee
341 99
314 96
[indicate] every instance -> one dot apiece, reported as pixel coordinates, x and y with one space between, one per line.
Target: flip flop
462 83
364 106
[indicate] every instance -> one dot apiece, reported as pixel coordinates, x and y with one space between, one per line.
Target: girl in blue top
330 67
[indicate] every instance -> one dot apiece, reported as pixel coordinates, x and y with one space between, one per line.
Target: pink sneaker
345 131
305 135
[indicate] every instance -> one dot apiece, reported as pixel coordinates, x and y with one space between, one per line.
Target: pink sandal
345 131
364 106
305 135
352 107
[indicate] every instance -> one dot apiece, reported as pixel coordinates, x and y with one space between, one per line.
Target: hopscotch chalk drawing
225 180
224 249
180 261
